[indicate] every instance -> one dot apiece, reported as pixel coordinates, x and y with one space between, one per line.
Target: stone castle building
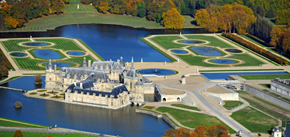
106 84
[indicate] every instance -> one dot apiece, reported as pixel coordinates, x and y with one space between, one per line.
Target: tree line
199 131
280 38
16 14
5 65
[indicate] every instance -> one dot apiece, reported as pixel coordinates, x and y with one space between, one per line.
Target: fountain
156 71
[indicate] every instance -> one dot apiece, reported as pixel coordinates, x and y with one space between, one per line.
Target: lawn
241 70
254 120
232 104
262 77
198 61
191 119
64 44
13 123
213 40
248 59
188 22
26 134
167 41
185 106
82 8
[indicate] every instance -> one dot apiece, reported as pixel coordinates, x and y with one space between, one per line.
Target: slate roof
81 72
107 65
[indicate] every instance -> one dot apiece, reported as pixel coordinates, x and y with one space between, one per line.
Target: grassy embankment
254 120
61 44
263 77
15 123
87 14
241 70
232 104
265 106
167 43
191 119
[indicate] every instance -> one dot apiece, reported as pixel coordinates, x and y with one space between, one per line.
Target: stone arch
178 99
164 99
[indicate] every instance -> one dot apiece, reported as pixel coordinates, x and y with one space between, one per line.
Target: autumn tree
202 17
141 9
225 22
103 7
182 132
152 11
283 17
199 131
242 17
212 24
2 22
11 23
217 131
18 133
172 19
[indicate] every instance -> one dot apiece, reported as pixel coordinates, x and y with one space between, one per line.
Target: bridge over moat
15 89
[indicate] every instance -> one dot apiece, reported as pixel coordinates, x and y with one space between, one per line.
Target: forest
5 66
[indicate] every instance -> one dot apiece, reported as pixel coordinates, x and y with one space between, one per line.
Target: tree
182 132
85 1
202 17
172 19
11 23
152 11
225 22
103 7
212 25
242 17
199 131
2 22
271 13
18 133
217 131
283 17
261 11
141 9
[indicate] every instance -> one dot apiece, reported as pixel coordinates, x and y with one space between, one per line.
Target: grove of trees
4 65
20 12
280 38
225 18
199 131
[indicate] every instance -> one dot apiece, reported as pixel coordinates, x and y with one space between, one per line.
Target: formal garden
34 54
206 50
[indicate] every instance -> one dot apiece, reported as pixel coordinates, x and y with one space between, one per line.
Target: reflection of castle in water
106 84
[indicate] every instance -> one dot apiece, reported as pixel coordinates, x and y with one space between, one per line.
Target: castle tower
84 64
50 76
130 77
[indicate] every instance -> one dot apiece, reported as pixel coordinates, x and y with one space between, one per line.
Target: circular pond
36 44
18 54
60 64
75 53
234 50
191 41
157 71
224 61
178 51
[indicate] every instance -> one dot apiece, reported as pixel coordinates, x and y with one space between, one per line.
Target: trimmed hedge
255 48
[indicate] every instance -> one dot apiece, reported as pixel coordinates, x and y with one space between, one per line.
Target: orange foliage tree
172 19
202 16
11 23
103 7
18 133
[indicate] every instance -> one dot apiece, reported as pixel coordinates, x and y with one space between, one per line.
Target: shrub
18 133
255 48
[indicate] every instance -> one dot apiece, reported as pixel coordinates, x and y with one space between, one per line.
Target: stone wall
280 86
268 97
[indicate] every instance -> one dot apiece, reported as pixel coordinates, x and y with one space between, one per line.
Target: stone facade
106 84
281 86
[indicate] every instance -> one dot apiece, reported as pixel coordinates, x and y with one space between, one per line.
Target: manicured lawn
222 53
185 106
191 119
248 59
12 45
232 104
32 93
44 95
188 22
260 77
28 63
13 123
26 134
197 61
148 107
82 8
167 41
64 44
262 107
241 70
254 120
213 40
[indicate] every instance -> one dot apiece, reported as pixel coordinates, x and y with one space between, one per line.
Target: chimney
81 85
89 63
55 68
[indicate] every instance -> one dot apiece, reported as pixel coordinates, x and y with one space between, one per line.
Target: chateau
107 84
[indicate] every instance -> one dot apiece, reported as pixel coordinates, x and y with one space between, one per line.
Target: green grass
185 106
262 107
198 61
241 70
12 45
57 97
14 123
167 41
41 90
191 119
214 41
82 8
32 93
249 60
28 63
262 77
80 59
188 22
44 95
232 104
254 120
26 134
266 85
165 54
276 64
62 43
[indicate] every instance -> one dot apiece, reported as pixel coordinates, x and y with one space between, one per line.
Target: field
185 106
15 123
254 120
261 77
170 42
191 119
60 45
232 104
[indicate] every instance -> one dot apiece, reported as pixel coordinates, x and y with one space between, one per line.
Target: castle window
111 103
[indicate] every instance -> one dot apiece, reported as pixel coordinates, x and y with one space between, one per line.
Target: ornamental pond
179 51
46 54
156 71
206 51
36 44
224 61
18 54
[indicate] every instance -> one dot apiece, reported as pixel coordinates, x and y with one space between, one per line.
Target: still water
124 122
225 75
110 41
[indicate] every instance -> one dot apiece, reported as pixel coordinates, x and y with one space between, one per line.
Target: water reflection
124 122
